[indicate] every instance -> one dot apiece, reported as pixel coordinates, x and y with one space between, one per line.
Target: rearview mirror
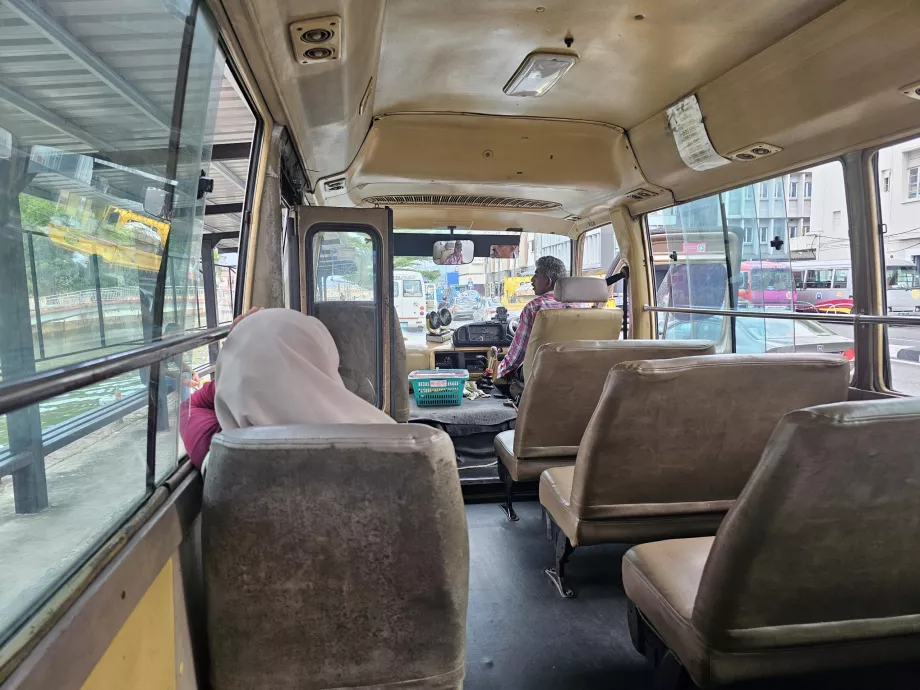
155 202
452 252
503 251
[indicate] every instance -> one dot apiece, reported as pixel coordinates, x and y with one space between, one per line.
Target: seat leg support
564 549
671 674
509 491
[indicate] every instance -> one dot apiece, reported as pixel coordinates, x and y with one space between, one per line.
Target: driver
548 270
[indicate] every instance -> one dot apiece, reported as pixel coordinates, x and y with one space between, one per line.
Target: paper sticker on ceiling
686 122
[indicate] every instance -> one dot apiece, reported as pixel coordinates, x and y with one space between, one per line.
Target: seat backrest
334 556
353 325
577 322
824 534
566 383
689 431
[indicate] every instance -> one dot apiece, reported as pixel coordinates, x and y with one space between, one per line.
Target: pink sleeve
198 423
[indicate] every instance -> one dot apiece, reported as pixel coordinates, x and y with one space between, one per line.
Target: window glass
600 253
841 277
900 211
473 291
707 255
344 267
412 288
100 251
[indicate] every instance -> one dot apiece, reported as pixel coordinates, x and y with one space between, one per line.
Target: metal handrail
852 319
40 387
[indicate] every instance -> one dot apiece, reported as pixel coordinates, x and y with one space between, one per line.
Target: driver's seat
577 322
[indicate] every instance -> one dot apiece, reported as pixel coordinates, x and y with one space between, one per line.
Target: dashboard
484 333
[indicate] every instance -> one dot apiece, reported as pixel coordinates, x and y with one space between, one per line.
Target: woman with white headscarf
277 366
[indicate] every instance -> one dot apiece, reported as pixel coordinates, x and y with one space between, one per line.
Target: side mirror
452 252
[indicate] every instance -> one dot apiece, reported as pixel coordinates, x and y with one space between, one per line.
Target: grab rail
852 319
37 388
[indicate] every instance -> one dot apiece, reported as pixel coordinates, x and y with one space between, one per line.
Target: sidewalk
93 485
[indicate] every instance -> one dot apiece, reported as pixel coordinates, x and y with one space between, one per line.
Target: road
905 376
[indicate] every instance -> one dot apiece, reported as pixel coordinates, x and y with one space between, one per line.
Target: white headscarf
279 366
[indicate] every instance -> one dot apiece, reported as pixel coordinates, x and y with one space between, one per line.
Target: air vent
336 185
461 200
754 151
641 194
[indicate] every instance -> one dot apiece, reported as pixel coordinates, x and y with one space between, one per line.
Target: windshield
468 289
771 279
903 278
412 288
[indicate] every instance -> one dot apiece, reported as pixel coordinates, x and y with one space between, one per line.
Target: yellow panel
143 654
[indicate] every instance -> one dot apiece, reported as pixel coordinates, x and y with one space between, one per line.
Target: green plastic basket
438 387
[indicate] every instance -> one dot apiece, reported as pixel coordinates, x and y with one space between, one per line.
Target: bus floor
521 635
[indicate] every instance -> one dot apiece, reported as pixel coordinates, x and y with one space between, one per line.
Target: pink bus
767 284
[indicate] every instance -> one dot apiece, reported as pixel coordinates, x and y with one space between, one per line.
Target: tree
35 212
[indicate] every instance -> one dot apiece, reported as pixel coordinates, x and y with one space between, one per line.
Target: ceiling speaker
317 40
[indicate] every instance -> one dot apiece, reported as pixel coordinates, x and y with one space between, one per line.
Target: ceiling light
539 73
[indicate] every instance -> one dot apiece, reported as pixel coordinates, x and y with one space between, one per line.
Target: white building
899 188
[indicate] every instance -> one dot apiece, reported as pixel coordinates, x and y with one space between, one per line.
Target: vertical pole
35 300
210 293
17 351
99 310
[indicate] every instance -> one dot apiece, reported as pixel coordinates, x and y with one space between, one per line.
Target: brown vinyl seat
560 397
335 556
672 443
816 566
577 322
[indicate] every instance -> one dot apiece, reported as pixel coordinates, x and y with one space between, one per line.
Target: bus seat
353 325
815 567
335 556
559 399
557 325
672 443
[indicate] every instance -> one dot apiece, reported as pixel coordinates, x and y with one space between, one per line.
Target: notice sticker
686 122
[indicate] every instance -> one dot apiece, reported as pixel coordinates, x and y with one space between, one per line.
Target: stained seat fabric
352 326
815 568
335 556
561 395
672 442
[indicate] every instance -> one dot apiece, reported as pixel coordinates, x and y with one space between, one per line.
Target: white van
409 298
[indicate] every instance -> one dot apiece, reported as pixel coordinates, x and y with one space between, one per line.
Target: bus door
347 283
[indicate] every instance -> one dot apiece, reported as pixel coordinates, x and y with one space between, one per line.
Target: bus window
818 278
898 167
99 254
412 288
841 278
767 269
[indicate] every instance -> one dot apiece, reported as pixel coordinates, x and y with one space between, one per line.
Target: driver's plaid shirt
515 356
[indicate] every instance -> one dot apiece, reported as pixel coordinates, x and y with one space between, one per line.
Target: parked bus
827 286
767 285
409 298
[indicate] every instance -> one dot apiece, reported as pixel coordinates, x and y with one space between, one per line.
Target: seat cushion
526 469
633 524
662 579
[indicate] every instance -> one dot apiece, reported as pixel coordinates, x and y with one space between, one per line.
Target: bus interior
704 473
